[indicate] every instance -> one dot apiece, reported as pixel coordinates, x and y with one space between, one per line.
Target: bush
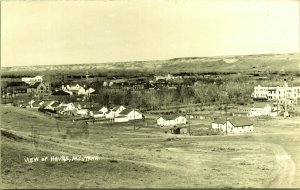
206 132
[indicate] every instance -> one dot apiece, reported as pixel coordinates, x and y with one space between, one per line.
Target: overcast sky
71 32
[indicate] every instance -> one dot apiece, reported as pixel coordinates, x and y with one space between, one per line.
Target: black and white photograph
150 94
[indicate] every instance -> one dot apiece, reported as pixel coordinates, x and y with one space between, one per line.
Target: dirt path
286 170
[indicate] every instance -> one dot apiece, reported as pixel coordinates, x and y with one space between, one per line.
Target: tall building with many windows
278 93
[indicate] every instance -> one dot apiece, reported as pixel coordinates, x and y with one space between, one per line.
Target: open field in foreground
145 157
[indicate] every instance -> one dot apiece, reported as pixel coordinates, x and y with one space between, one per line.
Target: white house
82 112
66 108
109 115
48 105
171 121
127 115
75 88
36 104
97 113
84 91
32 80
104 109
260 109
115 111
233 125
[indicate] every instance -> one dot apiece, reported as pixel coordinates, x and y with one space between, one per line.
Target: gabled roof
47 103
35 85
126 111
239 122
55 104
36 103
116 108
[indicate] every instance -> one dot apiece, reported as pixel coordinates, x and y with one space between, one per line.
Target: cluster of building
162 84
75 89
177 124
34 86
116 113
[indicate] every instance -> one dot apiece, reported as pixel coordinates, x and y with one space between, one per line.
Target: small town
168 94
35 93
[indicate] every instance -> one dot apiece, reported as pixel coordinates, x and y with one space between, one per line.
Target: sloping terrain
265 62
140 158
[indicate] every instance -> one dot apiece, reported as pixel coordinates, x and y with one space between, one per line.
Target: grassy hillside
144 157
265 62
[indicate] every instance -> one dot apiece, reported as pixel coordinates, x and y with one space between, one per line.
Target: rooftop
35 85
55 104
127 111
15 84
237 122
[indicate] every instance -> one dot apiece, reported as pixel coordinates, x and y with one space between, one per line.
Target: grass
145 157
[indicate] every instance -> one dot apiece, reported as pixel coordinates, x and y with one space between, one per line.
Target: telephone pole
286 114
134 119
226 118
189 127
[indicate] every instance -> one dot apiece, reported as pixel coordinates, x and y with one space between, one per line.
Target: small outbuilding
178 130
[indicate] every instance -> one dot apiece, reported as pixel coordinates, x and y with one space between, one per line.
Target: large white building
278 93
167 77
260 109
32 80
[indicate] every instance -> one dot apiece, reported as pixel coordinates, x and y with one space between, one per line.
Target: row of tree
206 94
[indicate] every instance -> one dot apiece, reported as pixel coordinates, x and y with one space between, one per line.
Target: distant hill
249 63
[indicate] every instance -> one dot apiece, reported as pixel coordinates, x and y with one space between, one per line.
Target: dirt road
286 170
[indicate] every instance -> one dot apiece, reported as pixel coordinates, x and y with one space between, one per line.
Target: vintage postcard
150 94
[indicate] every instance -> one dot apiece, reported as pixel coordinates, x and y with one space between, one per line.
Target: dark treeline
206 94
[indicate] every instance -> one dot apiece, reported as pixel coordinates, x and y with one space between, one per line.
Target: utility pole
286 114
189 127
134 119
226 118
